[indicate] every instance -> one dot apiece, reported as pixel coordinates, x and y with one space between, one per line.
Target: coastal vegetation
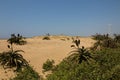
99 62
102 64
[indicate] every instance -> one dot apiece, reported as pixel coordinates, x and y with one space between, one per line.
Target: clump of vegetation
117 38
104 66
13 58
46 38
48 65
68 38
105 41
16 39
79 54
28 74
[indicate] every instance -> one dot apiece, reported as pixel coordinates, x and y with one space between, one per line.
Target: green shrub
105 67
100 37
105 41
13 58
27 74
48 65
79 55
17 39
109 43
117 38
46 38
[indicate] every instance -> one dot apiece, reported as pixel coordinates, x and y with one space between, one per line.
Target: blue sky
70 17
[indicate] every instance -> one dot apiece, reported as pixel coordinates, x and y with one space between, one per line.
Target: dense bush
117 38
27 74
105 41
100 37
46 38
105 67
17 39
48 65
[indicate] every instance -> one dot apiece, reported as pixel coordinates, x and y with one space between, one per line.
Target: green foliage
76 42
79 54
105 41
46 38
16 39
48 65
117 38
27 74
109 43
13 59
100 37
105 67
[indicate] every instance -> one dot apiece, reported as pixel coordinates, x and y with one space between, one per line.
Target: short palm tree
13 58
79 54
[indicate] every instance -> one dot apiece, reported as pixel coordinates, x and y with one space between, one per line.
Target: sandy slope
37 51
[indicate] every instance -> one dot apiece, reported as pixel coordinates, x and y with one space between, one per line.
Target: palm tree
79 54
13 59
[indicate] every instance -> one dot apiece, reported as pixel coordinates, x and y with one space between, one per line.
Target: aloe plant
79 54
13 58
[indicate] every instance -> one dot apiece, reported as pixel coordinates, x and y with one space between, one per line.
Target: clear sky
70 17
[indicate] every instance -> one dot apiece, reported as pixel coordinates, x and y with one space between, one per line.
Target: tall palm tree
13 59
79 54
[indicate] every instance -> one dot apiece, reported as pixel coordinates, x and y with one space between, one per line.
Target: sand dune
37 51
